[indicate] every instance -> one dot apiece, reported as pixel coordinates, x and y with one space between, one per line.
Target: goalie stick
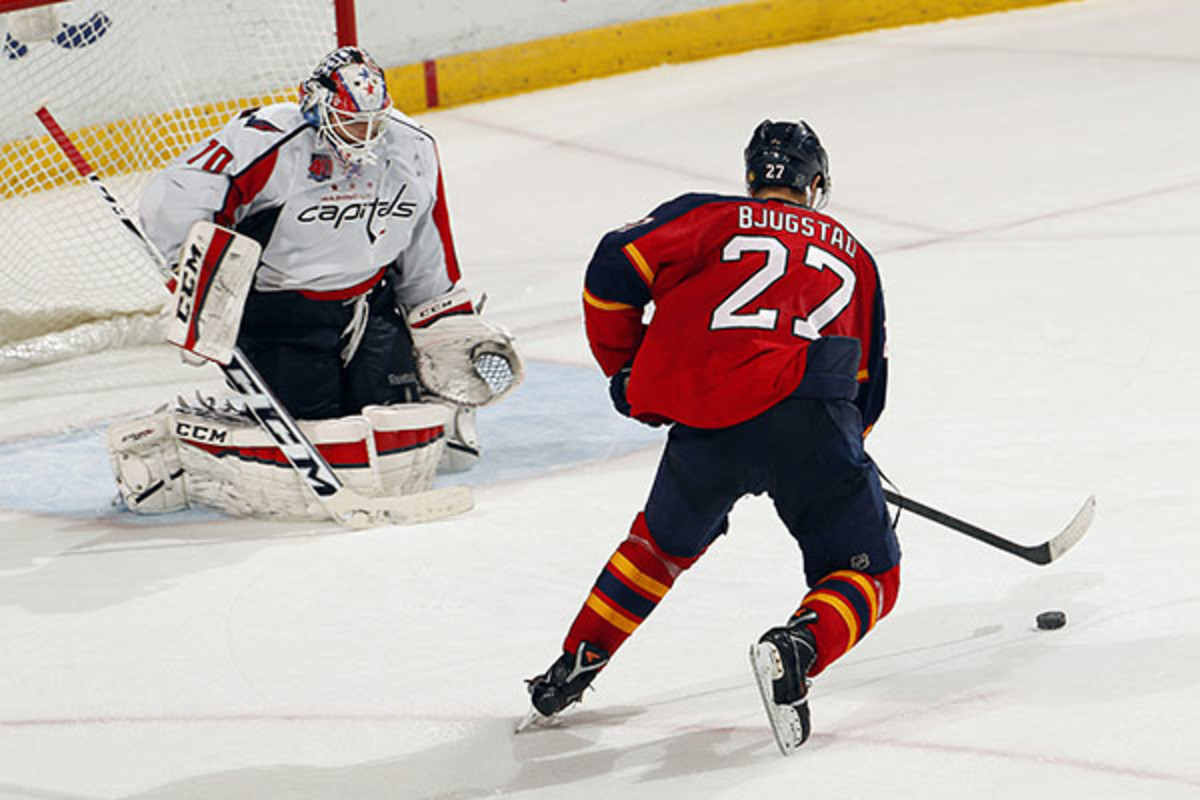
343 505
1041 554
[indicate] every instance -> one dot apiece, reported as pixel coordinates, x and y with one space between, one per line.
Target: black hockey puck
1049 620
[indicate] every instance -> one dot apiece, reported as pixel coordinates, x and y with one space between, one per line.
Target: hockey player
766 354
355 300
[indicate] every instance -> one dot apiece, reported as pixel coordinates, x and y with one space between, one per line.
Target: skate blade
785 720
535 719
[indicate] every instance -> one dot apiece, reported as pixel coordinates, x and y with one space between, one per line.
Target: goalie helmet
790 155
346 100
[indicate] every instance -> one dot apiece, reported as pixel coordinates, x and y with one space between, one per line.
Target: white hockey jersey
326 228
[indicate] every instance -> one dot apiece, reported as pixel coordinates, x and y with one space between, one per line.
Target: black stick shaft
1038 555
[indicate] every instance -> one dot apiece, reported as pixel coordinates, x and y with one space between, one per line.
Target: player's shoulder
404 127
692 201
274 119
671 211
264 127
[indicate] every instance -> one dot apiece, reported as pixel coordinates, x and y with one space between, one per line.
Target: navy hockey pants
296 343
807 455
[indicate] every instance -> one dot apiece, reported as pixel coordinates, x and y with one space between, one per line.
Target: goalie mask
346 100
790 155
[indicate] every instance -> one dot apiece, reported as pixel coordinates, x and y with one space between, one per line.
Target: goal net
134 83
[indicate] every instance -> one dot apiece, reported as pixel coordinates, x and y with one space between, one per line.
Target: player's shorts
807 455
296 343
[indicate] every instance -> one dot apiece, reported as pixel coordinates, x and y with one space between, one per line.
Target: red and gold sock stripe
636 577
848 604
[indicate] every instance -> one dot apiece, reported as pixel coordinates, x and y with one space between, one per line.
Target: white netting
134 83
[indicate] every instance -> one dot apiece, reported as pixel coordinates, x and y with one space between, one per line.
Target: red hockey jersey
741 290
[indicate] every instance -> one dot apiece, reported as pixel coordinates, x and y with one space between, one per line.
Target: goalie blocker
216 268
179 458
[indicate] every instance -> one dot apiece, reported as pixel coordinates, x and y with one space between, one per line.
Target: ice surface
1029 185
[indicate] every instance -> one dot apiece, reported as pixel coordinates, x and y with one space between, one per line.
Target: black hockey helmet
790 155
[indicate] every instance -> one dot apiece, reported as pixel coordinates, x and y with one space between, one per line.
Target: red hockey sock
630 586
848 604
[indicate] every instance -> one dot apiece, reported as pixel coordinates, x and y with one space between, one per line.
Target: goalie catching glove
460 357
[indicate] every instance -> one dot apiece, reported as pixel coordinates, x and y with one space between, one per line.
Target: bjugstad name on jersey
763 218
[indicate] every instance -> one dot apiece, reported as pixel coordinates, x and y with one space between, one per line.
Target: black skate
781 659
563 684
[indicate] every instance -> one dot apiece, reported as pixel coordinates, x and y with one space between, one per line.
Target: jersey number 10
727 315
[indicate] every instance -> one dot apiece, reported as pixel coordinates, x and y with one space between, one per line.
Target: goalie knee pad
145 460
409 441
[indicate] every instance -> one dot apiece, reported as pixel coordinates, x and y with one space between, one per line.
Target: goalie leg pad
173 459
235 467
146 461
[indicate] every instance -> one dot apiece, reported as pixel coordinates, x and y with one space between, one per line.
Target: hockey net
134 83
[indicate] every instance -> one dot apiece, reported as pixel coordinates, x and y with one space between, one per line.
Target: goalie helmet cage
134 83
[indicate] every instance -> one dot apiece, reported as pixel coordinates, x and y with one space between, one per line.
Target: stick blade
356 511
430 506
1074 531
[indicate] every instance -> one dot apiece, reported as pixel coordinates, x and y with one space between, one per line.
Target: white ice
1030 185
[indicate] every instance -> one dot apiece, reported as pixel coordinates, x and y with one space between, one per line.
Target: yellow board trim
119 147
639 578
672 39
526 66
611 615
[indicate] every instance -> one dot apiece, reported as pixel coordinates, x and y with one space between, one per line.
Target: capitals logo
320 168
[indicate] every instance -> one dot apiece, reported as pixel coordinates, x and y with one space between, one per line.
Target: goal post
134 83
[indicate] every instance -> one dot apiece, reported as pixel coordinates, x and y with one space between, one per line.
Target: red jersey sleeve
620 276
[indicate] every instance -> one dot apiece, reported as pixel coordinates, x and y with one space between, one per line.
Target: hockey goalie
314 237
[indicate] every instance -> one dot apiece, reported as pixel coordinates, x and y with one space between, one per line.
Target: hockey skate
562 685
781 659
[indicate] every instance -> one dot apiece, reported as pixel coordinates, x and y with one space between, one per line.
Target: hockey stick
343 504
1043 553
